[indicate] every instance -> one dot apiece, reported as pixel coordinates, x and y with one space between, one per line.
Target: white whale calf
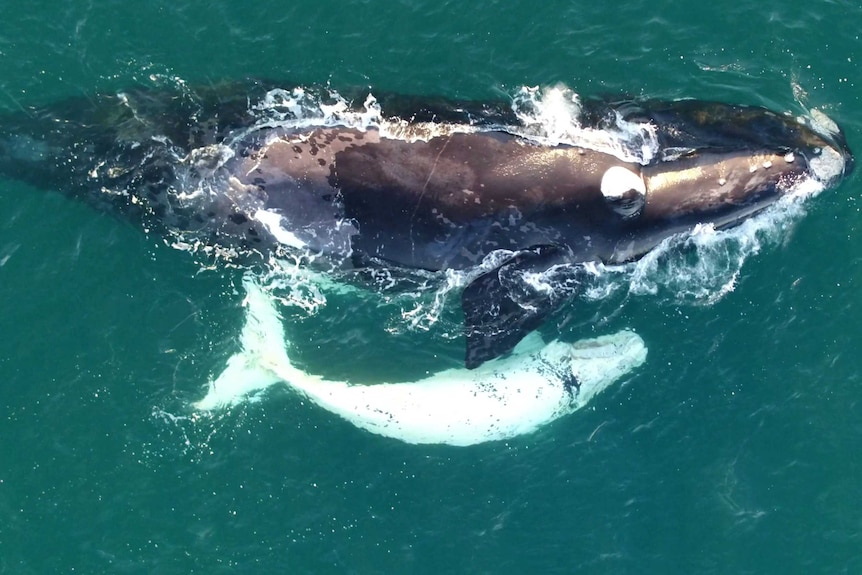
500 399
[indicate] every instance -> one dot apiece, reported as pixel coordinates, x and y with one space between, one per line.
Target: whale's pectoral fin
503 305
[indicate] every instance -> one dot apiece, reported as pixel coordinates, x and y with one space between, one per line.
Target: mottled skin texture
449 201
437 204
439 195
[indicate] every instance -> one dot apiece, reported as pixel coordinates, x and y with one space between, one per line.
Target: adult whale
248 170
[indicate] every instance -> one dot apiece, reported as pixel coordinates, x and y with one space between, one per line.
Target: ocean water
734 449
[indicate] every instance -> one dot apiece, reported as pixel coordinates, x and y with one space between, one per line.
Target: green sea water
734 449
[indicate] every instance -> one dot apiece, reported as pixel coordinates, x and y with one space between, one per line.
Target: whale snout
830 164
829 157
691 126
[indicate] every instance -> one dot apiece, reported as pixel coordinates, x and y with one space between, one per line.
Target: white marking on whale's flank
501 399
272 221
618 180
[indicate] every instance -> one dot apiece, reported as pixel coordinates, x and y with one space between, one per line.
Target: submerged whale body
246 171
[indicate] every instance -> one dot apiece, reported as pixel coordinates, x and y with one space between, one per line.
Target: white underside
501 399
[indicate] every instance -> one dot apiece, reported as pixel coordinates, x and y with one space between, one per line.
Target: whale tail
262 360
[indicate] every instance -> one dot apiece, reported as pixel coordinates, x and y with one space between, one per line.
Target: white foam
702 266
302 109
499 400
549 116
552 116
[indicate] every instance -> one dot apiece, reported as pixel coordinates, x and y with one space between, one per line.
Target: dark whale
443 185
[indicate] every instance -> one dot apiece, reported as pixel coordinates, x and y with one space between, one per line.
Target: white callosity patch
499 400
828 167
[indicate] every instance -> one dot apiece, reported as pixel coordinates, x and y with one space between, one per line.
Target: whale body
499 400
246 171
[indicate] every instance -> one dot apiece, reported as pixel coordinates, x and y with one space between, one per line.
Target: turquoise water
735 449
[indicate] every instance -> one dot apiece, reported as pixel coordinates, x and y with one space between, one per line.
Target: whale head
719 164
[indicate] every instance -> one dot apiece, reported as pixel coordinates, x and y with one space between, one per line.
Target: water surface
733 450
